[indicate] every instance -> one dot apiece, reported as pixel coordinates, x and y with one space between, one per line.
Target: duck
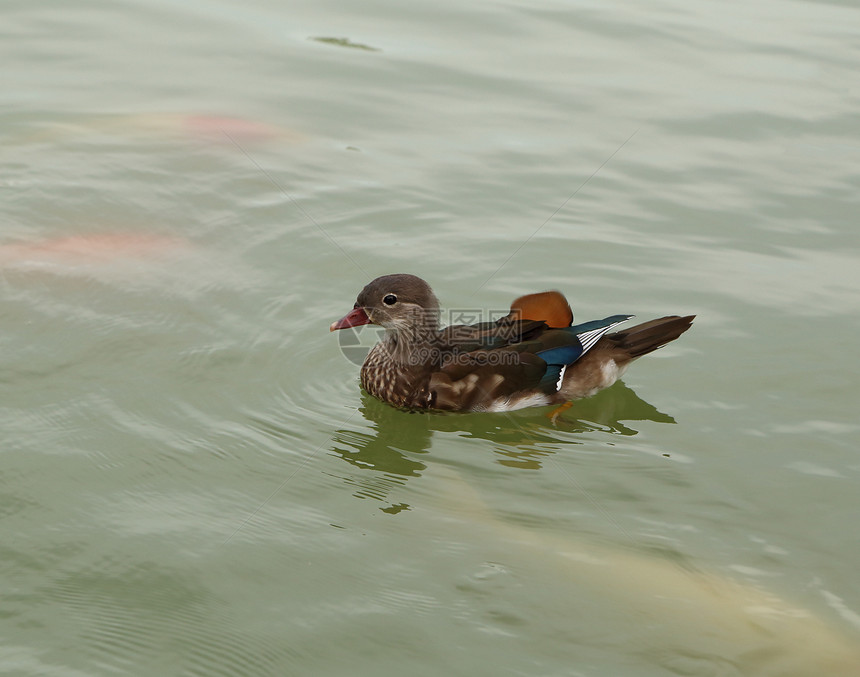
533 356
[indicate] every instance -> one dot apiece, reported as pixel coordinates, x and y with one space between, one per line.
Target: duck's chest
400 383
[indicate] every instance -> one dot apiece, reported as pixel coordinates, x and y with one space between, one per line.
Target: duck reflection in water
520 440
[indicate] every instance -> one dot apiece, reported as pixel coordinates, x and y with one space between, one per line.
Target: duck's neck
398 368
413 346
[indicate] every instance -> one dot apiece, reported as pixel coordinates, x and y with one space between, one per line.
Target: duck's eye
389 299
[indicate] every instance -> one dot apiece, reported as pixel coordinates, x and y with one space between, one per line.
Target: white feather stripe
589 338
560 377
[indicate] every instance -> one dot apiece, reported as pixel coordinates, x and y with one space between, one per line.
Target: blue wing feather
607 322
563 355
587 335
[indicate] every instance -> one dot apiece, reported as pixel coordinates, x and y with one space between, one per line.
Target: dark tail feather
648 336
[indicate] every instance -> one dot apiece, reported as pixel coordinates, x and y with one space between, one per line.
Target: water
193 483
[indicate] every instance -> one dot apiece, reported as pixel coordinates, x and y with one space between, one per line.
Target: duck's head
397 302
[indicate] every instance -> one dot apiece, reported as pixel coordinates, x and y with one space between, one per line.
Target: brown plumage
648 336
531 357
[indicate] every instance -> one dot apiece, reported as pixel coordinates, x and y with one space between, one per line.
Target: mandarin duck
533 356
